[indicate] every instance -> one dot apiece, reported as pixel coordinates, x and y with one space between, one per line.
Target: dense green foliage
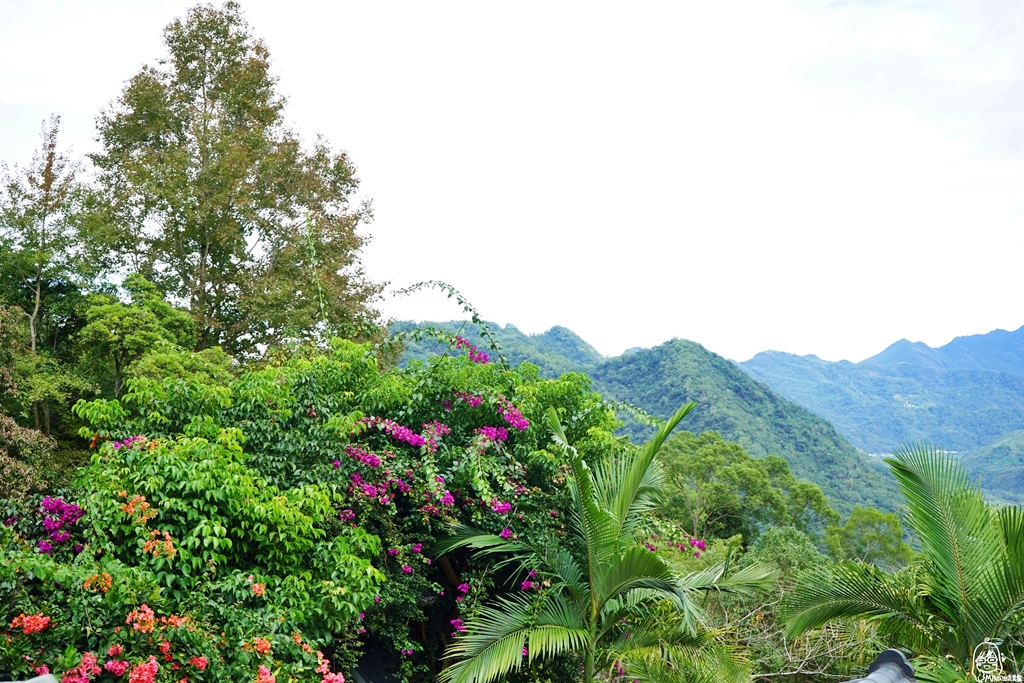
296 477
747 412
214 467
601 584
715 488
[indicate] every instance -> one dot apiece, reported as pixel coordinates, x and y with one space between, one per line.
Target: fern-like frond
592 524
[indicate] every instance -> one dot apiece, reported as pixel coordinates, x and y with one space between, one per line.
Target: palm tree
599 577
968 588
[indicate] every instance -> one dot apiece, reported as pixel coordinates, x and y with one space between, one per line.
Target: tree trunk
118 388
588 665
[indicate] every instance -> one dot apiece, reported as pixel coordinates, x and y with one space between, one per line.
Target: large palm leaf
968 587
494 641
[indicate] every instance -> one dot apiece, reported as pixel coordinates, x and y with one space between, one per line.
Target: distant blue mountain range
964 396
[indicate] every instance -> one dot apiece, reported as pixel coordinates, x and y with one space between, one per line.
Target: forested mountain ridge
962 396
746 411
660 379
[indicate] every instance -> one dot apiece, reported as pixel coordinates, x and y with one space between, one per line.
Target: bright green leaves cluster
118 334
250 477
224 520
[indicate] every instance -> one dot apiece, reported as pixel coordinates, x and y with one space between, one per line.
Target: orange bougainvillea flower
261 645
175 621
259 589
142 619
30 623
98 582
138 509
160 546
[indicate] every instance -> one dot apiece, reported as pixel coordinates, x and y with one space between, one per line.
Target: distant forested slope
1001 468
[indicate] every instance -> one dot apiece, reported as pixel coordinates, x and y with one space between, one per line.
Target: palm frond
934 669
658 649
493 643
639 568
594 525
1008 592
960 537
854 590
747 580
563 567
637 486
484 543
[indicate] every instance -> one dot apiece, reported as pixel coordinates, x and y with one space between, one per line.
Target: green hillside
555 352
748 412
1001 468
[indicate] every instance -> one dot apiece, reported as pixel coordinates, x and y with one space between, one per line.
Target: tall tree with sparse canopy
45 254
219 203
39 242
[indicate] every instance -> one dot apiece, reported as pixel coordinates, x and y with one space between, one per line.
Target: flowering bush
248 526
127 629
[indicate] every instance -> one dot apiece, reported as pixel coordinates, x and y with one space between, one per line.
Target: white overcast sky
806 176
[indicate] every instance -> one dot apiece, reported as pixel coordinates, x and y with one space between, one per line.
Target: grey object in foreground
891 666
48 678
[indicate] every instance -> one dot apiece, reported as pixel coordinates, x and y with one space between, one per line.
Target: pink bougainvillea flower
144 672
116 666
